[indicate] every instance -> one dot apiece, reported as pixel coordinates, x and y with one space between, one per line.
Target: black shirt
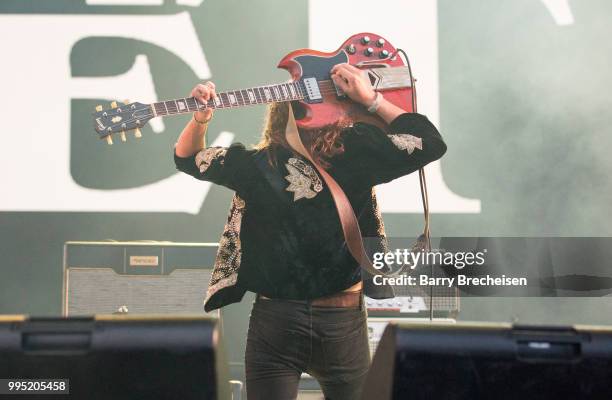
283 234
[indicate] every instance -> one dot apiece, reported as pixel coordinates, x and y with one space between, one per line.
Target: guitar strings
150 114
326 87
323 90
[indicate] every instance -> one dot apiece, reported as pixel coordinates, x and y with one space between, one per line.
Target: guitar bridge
339 92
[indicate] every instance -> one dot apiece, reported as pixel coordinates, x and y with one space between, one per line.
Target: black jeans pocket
346 357
272 341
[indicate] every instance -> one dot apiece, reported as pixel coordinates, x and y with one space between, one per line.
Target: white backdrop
40 95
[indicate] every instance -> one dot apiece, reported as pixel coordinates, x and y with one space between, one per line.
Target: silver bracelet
375 104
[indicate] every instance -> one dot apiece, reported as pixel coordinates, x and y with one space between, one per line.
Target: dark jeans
287 338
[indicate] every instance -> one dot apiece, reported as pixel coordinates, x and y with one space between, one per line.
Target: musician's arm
191 139
388 111
374 156
226 166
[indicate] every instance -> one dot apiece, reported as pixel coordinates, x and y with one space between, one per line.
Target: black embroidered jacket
283 237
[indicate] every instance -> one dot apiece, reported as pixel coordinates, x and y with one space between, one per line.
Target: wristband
375 104
202 122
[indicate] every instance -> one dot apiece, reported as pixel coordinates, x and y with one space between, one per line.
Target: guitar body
306 63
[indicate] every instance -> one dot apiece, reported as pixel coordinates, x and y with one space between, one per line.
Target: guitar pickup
313 93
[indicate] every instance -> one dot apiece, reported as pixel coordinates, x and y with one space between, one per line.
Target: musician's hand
204 92
353 82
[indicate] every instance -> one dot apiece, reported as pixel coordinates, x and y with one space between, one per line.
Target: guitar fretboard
234 98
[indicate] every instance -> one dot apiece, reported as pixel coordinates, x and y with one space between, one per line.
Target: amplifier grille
103 291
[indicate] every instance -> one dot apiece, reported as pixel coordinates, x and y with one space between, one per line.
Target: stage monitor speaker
377 326
116 357
136 277
491 361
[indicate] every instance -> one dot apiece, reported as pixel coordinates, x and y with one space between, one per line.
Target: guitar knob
368 52
380 42
365 40
383 54
351 49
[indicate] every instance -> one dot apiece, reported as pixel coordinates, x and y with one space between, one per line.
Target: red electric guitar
317 101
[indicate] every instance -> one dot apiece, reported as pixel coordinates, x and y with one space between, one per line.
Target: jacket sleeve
220 165
377 157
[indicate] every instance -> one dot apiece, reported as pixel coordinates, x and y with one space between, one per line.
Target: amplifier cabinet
417 302
414 299
136 277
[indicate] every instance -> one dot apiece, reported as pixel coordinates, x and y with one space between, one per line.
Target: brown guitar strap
348 220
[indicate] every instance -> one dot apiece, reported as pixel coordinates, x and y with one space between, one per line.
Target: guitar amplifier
136 277
417 302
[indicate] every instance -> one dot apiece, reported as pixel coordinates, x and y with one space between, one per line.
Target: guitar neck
234 98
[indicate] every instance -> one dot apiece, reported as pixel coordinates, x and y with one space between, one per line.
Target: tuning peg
137 133
114 104
123 138
109 139
99 108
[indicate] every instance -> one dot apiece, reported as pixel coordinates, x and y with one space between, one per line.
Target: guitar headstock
121 118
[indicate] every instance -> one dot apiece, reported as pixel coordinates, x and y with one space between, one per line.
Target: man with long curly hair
283 239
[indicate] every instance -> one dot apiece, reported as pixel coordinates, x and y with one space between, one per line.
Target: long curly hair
323 143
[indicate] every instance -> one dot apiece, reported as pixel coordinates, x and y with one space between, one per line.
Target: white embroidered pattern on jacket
206 156
380 224
227 262
303 180
380 243
407 142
